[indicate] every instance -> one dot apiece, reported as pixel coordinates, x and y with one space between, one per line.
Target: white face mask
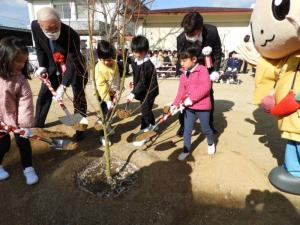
192 39
52 35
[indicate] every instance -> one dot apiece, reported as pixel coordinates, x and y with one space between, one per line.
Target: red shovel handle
45 79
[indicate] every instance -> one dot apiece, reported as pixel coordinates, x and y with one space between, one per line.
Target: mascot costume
275 32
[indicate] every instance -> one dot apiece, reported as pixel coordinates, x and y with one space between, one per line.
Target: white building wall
162 32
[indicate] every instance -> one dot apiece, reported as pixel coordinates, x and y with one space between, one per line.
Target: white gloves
174 109
109 105
24 132
60 91
206 50
130 97
214 76
187 102
40 71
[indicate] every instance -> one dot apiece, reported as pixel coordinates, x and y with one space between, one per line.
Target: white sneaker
182 156
211 149
102 139
139 143
31 177
3 173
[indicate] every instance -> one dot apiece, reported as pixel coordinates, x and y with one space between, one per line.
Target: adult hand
40 71
187 102
206 50
214 76
130 97
60 91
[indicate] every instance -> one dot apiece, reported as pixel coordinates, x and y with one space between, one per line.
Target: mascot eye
280 8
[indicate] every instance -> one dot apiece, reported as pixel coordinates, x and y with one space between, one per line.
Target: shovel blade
59 144
71 120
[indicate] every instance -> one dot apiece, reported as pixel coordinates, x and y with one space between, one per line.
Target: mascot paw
284 181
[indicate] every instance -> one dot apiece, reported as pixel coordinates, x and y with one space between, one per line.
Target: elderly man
51 35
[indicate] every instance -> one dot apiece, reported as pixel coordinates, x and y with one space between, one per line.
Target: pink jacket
16 104
197 86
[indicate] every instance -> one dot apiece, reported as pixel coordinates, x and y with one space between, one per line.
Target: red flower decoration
58 57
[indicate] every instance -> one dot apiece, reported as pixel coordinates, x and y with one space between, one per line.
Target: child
144 81
107 79
231 69
194 94
16 104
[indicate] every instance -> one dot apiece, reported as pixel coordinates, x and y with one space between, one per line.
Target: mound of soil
93 178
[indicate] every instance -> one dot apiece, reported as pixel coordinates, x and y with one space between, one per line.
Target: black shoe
180 131
78 136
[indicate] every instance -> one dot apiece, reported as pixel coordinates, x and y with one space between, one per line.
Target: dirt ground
230 187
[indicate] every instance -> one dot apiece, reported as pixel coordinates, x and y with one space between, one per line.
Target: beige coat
268 71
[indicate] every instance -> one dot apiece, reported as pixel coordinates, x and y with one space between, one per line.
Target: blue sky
14 12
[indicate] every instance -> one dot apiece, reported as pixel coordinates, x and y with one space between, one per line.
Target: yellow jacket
107 79
283 70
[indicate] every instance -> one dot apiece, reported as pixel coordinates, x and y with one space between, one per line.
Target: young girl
16 104
144 81
107 79
194 94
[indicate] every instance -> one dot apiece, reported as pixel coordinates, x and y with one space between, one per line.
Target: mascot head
274 25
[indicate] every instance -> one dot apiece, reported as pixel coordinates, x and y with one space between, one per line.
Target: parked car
32 58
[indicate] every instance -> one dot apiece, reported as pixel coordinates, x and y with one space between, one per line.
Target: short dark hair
231 53
10 47
105 50
189 52
140 43
247 38
191 22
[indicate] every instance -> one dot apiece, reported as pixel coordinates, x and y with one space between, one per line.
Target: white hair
47 13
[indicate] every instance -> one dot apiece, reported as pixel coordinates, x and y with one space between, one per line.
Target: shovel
123 113
151 132
56 144
69 119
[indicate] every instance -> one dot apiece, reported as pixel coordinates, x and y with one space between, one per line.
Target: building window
81 10
63 9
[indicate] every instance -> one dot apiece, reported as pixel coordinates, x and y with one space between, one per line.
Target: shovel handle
44 78
9 128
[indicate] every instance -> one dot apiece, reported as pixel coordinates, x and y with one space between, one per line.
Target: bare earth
230 187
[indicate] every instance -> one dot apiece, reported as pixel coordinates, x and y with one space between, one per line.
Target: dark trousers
44 99
211 115
24 148
228 75
147 114
190 117
245 66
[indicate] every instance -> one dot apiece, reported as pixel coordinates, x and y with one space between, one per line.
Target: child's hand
187 102
40 71
130 97
109 105
173 109
24 132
